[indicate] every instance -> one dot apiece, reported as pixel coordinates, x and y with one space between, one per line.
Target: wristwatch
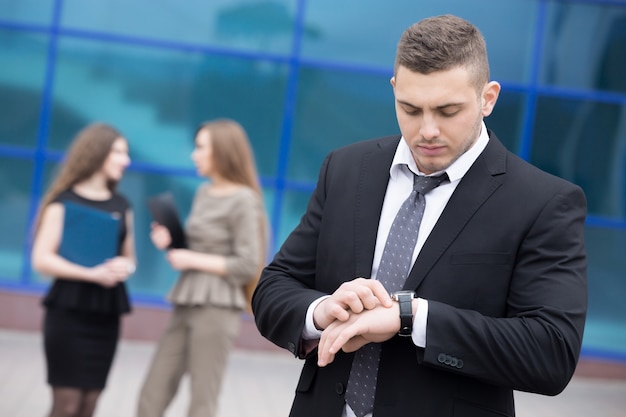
405 300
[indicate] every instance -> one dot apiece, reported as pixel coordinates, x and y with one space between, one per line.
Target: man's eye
449 113
412 112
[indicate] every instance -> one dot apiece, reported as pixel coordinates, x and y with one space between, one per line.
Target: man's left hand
376 325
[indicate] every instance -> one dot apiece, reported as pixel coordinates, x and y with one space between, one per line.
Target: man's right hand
351 297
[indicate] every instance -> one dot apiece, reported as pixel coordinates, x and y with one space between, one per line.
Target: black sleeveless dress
82 319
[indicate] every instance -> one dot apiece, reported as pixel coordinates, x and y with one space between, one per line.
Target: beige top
223 225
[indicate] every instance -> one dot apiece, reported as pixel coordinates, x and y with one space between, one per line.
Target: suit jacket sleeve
535 346
286 288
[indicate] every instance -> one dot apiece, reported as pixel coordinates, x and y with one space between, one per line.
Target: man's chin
430 167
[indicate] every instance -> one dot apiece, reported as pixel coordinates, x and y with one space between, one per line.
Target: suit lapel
476 186
373 180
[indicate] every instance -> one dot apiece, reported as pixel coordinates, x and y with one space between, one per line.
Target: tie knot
424 185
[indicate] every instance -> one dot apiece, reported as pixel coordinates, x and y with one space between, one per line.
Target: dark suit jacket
504 271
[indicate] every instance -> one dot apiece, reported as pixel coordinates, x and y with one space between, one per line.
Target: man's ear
491 91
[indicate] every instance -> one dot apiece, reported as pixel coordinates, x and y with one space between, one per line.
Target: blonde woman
84 303
225 233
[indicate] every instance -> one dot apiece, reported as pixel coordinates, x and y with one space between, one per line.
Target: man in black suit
497 288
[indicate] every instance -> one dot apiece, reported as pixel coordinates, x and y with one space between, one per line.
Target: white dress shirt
398 189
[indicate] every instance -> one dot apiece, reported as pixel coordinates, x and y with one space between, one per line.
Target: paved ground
258 384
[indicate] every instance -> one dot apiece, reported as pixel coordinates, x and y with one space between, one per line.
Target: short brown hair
441 43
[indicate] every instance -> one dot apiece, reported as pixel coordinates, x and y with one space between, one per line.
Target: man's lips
430 150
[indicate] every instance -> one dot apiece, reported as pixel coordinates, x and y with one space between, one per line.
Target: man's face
440 114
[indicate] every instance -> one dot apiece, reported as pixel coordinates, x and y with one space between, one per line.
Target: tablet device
163 210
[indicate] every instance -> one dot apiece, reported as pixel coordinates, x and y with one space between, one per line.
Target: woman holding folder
84 240
225 234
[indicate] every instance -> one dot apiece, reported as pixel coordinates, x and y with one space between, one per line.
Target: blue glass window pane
367 31
336 108
15 185
22 73
585 46
258 26
26 11
507 119
293 207
157 98
584 142
606 319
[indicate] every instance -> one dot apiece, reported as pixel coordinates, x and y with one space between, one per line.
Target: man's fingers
354 344
333 340
354 301
379 291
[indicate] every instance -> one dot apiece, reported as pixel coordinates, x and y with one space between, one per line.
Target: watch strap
405 302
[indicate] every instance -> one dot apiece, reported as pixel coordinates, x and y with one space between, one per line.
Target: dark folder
163 209
90 236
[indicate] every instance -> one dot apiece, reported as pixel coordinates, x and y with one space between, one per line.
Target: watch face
402 294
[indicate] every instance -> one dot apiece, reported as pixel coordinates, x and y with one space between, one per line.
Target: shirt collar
403 159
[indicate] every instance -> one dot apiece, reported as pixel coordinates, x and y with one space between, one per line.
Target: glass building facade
303 77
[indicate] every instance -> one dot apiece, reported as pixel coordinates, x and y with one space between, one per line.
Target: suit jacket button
459 363
339 388
454 362
441 358
448 360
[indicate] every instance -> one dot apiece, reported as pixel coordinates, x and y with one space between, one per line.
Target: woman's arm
182 259
128 246
47 261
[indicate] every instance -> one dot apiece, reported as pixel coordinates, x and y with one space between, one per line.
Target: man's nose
429 129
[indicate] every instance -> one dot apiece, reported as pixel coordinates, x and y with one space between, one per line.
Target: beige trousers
197 341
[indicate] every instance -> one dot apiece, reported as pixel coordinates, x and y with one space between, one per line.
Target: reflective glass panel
584 142
606 319
507 118
584 46
367 31
250 26
15 184
293 208
27 11
22 74
336 108
157 98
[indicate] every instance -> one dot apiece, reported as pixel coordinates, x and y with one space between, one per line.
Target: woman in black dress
84 240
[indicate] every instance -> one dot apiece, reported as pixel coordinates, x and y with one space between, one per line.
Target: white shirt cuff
311 332
419 323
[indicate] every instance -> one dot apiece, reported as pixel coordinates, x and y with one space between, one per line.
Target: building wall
303 77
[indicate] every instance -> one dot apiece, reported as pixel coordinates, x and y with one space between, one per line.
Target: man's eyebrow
443 106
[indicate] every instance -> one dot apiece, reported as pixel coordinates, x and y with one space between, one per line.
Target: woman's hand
160 236
112 271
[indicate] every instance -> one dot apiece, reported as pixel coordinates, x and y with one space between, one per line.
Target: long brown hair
85 156
233 159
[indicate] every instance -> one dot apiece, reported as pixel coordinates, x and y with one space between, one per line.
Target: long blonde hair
232 159
85 156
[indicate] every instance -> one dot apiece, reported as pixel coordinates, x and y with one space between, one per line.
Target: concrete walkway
257 384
